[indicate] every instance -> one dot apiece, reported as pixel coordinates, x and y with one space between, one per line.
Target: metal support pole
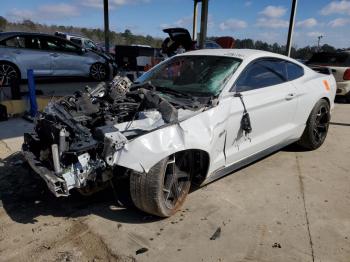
106 18
195 18
204 23
32 93
291 27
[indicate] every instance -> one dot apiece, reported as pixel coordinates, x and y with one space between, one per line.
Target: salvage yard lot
290 206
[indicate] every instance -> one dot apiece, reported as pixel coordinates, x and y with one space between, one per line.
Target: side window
261 74
53 44
294 71
14 42
90 44
33 42
67 47
76 41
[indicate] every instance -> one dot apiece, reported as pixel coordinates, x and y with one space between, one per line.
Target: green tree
3 23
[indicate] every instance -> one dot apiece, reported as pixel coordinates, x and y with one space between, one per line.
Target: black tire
317 125
10 73
156 192
99 72
347 97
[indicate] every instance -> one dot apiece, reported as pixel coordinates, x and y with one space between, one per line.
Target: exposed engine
76 138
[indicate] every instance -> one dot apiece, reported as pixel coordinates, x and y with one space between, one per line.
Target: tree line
128 38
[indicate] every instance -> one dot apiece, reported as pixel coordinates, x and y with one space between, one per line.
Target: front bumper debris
57 185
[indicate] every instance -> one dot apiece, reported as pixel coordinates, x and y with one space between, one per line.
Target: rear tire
317 125
162 190
99 72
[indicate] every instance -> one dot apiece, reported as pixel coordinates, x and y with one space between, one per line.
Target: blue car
48 56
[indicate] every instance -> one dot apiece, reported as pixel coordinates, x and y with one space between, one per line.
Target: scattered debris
278 222
216 234
119 225
141 251
64 257
276 245
47 247
37 202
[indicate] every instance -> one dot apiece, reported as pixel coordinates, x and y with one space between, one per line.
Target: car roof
244 54
9 34
5 35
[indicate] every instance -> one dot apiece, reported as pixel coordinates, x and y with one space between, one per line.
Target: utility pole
204 23
195 17
291 27
319 42
106 19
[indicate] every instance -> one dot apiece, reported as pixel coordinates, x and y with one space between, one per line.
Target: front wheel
98 72
317 125
162 190
8 74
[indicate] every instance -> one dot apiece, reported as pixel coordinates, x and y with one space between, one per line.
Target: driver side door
68 60
271 102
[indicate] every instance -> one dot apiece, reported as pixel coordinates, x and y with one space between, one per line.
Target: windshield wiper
173 92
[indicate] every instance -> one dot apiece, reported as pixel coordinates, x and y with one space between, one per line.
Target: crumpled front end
76 139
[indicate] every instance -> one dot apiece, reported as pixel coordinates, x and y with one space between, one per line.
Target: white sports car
190 120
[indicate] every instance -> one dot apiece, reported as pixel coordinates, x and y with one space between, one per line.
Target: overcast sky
265 20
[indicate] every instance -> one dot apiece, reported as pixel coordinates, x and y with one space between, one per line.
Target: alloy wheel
321 124
7 74
98 72
176 181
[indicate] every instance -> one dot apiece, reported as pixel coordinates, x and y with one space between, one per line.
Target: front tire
98 72
9 73
317 126
162 190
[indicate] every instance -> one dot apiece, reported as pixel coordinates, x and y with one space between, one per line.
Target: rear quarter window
294 71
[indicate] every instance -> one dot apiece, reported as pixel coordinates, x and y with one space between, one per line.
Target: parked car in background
339 64
88 44
48 56
79 40
189 120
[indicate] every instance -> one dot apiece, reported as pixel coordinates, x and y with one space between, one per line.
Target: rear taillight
347 74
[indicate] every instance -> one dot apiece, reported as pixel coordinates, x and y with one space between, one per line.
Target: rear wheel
98 72
8 73
162 190
317 125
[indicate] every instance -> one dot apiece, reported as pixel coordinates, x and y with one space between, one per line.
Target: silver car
48 56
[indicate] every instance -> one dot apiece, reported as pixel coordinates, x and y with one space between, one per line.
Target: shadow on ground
24 196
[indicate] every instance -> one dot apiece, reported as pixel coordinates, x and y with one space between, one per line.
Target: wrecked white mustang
191 119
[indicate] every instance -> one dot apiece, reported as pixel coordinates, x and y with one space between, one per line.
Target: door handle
290 96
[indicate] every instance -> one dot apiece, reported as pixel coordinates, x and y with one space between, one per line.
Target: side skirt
246 161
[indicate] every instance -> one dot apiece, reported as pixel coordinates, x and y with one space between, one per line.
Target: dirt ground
290 206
